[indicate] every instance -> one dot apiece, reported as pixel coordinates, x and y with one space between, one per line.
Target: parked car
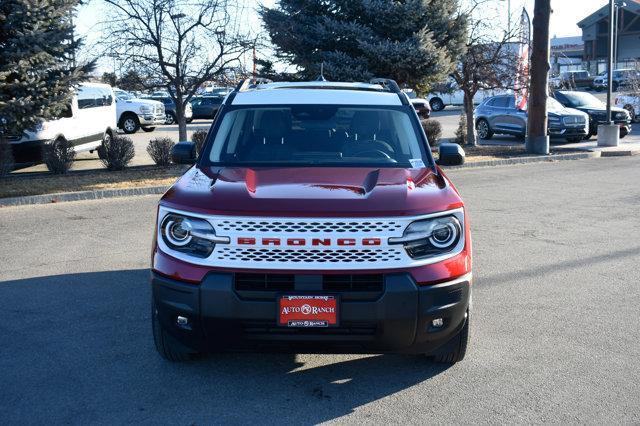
421 105
631 103
133 113
314 219
572 80
217 91
88 121
170 109
206 106
449 93
621 78
596 109
498 114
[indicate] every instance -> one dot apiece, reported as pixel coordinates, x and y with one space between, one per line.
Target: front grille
306 256
573 119
302 226
250 282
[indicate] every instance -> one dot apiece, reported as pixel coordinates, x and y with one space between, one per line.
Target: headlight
189 235
431 237
621 115
146 109
554 119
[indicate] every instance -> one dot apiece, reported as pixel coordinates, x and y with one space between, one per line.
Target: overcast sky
563 20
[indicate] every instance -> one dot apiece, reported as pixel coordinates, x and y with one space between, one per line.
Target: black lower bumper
399 319
29 152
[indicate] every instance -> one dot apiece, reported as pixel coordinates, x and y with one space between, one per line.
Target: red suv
315 219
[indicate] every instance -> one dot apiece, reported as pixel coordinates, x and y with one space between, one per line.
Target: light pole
618 5
609 134
508 16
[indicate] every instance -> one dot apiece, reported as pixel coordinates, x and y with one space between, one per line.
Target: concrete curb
526 160
81 196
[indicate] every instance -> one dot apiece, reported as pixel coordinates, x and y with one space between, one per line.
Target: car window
311 135
500 102
579 99
87 97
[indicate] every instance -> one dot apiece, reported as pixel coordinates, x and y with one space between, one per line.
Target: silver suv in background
499 114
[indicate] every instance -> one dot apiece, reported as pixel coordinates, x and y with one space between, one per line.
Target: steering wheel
376 153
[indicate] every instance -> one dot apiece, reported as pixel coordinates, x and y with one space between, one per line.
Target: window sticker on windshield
416 163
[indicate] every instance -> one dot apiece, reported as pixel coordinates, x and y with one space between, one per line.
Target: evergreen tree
36 61
415 42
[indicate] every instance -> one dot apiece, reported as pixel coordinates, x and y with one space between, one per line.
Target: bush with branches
159 150
433 130
118 152
58 156
461 131
198 137
6 157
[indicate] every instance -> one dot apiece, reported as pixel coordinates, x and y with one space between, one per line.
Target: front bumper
398 318
625 126
567 131
151 119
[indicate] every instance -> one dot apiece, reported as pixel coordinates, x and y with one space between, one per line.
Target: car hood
600 109
142 102
566 111
312 191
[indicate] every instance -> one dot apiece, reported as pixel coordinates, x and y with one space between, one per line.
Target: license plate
307 311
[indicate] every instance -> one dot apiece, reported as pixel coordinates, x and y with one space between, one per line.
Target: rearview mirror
184 153
450 154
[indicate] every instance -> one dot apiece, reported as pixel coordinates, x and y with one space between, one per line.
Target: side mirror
184 153
451 154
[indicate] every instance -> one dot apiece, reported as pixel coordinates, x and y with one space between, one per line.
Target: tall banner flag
521 87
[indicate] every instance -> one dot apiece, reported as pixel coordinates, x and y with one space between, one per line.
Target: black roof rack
391 86
386 83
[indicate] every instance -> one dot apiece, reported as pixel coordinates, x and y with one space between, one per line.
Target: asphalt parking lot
555 335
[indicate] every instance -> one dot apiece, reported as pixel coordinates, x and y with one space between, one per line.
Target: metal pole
509 17
610 65
616 18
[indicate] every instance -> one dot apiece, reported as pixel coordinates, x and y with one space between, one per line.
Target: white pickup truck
630 102
449 93
133 113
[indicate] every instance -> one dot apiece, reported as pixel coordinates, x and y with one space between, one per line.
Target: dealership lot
554 337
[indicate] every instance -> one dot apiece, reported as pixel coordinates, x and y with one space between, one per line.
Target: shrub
159 150
461 132
198 137
6 157
118 152
58 156
433 130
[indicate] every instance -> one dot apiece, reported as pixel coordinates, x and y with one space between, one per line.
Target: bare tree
179 45
488 63
537 139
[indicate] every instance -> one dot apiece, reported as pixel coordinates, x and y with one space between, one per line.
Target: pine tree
415 42
36 61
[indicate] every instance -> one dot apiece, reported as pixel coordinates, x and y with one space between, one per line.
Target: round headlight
179 232
443 235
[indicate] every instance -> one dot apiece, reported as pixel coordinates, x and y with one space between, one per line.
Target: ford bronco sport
315 219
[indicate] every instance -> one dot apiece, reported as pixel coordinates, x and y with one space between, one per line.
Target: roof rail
252 82
391 86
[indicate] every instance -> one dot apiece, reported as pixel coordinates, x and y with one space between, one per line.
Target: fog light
182 321
437 323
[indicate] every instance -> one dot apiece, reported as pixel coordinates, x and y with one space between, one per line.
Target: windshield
582 99
121 95
318 135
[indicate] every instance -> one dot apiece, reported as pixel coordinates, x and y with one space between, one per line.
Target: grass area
19 185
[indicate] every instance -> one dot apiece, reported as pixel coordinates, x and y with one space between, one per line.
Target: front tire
166 346
130 124
483 129
436 104
631 111
457 348
169 118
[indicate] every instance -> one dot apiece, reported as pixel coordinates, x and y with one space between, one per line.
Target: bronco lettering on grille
252 241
